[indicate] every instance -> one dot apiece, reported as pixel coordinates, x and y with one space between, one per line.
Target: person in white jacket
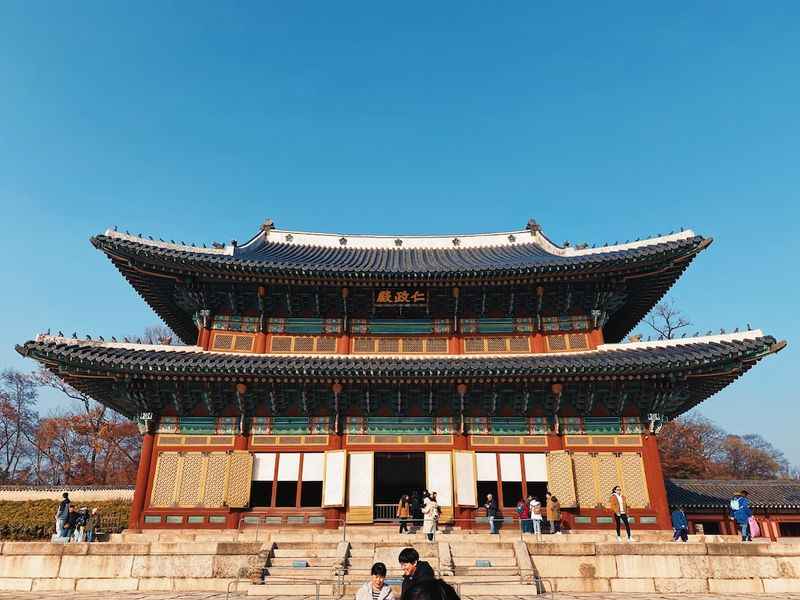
376 588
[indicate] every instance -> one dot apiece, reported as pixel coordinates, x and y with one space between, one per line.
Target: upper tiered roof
303 256
621 281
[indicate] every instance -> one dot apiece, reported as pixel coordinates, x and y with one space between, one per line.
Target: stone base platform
290 562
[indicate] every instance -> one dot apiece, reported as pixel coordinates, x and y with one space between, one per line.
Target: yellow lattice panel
496 344
634 482
302 344
216 478
566 342
232 342
585 479
190 488
165 480
607 476
560 479
240 472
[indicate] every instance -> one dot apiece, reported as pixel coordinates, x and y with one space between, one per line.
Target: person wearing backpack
741 512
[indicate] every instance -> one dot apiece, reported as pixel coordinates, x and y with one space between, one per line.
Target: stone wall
205 566
78 494
759 567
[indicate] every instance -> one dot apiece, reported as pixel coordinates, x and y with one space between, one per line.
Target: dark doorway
398 473
789 529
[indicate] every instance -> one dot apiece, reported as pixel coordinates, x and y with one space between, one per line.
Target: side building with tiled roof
325 375
706 502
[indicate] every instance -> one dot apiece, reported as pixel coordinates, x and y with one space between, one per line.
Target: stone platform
292 563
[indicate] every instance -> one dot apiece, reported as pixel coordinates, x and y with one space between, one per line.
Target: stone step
292 573
494 561
494 571
479 550
312 562
290 589
357 552
305 545
305 553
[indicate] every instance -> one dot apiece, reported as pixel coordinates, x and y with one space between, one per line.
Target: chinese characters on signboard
405 297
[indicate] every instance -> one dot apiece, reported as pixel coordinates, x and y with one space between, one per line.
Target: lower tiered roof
673 374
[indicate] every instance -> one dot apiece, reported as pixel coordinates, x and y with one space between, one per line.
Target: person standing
416 510
536 516
548 513
555 519
740 508
620 509
376 588
91 525
491 512
524 513
680 525
403 512
70 523
62 514
430 514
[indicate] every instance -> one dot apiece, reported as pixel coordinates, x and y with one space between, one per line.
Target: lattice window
326 344
566 342
166 478
607 476
190 492
303 344
240 472
243 343
388 345
216 477
281 344
362 345
436 346
473 344
556 343
222 341
413 345
519 344
560 479
496 344
584 479
577 341
232 342
634 483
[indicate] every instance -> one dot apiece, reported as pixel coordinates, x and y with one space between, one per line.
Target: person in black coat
416 510
414 569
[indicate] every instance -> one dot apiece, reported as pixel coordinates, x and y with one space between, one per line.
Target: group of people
419 581
531 518
418 509
73 524
531 515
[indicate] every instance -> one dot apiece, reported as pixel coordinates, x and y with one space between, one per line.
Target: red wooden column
142 475
655 481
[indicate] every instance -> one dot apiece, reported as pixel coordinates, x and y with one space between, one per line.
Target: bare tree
160 334
666 319
18 395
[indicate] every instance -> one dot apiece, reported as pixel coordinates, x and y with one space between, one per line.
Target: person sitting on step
376 588
414 569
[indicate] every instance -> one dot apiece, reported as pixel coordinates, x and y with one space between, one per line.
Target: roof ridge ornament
267 226
533 227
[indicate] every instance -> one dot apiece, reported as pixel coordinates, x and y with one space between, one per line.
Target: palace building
325 375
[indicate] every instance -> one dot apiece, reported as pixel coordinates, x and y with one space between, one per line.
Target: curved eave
708 366
649 270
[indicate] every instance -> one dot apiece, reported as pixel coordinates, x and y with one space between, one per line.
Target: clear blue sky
195 122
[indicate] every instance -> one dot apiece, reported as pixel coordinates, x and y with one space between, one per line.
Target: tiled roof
716 493
720 359
273 255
